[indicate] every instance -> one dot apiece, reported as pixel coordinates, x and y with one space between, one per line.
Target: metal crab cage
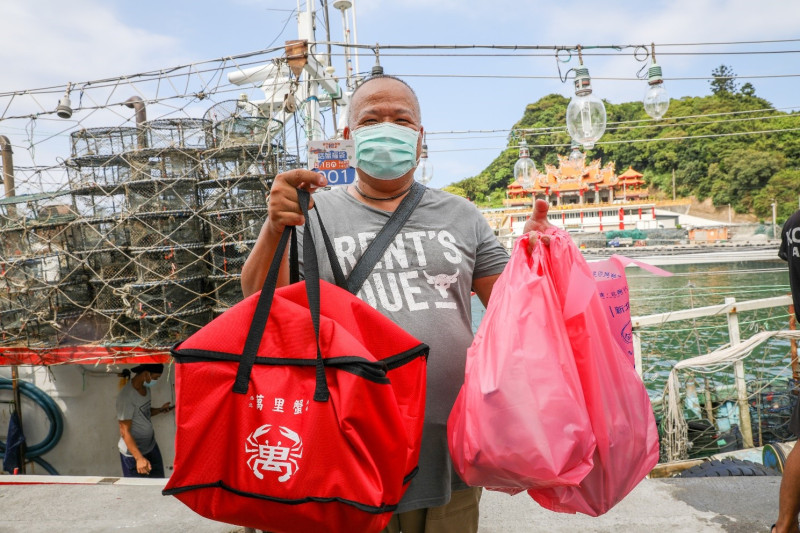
164 297
40 208
242 194
177 133
158 195
94 142
234 225
234 163
36 224
239 122
172 262
44 286
227 290
14 243
108 282
168 228
102 172
76 328
228 258
9 332
164 164
166 330
97 234
97 202
151 241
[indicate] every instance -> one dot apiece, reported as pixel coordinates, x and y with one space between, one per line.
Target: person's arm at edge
538 222
783 250
483 287
255 268
789 495
163 409
283 210
142 464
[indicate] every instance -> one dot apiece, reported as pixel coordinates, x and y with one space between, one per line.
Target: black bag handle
294 264
338 275
379 244
311 271
261 314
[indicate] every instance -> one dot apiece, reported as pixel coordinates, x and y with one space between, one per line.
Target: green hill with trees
714 145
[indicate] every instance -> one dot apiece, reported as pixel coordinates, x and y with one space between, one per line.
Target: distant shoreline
691 253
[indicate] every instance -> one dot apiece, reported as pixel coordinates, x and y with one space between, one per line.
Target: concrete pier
32 504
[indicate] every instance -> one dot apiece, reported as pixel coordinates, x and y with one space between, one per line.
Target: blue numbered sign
333 160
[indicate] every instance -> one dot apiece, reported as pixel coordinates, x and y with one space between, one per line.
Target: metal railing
731 309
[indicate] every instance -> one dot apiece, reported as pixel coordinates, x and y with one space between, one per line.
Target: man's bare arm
284 210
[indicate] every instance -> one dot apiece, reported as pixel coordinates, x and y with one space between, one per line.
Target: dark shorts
156 464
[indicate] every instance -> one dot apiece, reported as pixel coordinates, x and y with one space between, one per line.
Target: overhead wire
532 132
624 141
603 78
554 47
214 85
585 54
167 72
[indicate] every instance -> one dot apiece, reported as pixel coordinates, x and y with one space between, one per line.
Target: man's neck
383 194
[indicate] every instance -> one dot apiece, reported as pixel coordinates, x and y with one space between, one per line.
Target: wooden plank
670 469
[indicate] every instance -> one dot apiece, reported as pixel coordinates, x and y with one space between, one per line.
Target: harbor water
700 284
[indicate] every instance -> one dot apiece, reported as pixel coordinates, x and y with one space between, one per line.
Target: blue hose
53 414
47 466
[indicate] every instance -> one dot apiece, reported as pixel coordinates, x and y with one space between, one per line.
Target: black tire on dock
729 467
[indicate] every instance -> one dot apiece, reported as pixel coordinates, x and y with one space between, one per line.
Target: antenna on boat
301 82
343 6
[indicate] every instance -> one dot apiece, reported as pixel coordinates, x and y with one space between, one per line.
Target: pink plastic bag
617 402
520 420
612 287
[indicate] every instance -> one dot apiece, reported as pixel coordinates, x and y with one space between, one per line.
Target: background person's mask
386 151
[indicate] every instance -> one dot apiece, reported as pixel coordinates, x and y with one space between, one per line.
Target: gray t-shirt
424 284
134 407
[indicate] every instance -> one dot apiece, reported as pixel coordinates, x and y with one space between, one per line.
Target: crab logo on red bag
274 458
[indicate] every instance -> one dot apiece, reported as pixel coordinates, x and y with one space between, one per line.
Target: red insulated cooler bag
299 409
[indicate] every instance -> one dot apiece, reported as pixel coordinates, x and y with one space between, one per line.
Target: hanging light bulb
64 109
424 172
586 114
656 99
524 169
377 69
576 156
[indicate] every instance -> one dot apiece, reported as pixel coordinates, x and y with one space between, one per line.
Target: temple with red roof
575 182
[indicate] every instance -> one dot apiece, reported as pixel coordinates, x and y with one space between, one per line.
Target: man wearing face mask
422 281
138 450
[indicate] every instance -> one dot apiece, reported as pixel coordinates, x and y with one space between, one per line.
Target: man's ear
420 141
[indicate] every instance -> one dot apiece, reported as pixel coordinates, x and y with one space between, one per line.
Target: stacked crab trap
147 244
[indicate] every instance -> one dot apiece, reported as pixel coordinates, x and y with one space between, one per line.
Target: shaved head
385 82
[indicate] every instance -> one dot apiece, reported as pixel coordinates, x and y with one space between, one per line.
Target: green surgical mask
386 151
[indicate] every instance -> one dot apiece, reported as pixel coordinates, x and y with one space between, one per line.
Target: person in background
445 249
138 450
789 499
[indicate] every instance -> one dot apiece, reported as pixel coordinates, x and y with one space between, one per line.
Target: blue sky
49 43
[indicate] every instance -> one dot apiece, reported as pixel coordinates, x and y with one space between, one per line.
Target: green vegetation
746 171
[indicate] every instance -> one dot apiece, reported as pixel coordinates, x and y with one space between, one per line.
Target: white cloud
48 42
